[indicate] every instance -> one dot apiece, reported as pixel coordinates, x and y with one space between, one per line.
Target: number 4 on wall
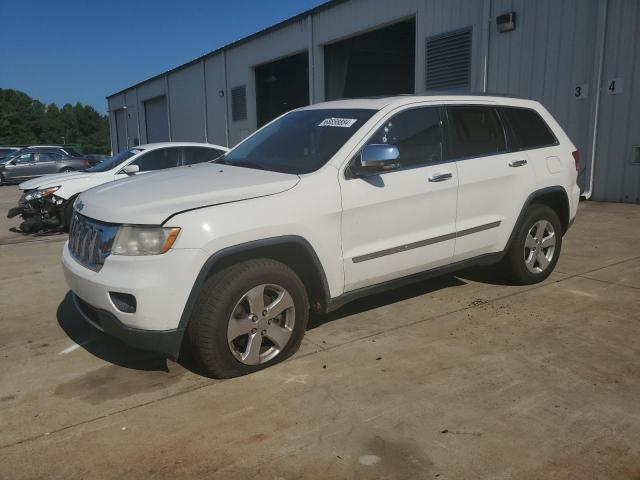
615 86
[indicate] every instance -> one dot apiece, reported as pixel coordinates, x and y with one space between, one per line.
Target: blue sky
65 51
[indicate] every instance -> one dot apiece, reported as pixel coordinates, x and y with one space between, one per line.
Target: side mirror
375 159
131 169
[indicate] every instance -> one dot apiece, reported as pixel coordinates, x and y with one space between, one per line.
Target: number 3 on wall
581 90
615 86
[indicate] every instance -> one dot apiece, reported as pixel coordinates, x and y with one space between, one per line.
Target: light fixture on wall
506 22
221 93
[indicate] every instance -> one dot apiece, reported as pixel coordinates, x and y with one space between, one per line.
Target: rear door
401 222
47 162
494 181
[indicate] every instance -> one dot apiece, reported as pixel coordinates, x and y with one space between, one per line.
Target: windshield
113 162
299 142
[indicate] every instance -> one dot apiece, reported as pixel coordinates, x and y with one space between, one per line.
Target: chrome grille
90 241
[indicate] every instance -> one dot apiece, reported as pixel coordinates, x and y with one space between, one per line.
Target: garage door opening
381 62
282 86
156 120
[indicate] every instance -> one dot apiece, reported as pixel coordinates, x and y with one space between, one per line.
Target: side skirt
486 259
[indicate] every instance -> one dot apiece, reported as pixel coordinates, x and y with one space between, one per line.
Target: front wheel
248 316
535 249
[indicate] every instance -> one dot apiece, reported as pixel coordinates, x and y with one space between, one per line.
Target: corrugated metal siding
616 177
132 117
186 104
551 50
216 104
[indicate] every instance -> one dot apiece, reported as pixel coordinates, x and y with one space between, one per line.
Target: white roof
152 146
378 103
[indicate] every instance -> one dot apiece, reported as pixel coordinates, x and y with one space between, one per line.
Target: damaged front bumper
39 215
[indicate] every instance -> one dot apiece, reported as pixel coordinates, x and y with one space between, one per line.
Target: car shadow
116 352
385 298
103 346
489 274
43 233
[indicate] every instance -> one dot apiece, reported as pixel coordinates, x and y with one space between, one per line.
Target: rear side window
529 129
159 159
416 133
474 131
200 154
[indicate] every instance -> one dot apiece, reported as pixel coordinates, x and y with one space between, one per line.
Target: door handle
517 163
440 177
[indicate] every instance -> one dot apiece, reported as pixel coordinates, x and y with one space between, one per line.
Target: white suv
323 205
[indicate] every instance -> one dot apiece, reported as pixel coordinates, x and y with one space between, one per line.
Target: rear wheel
2 180
67 170
535 249
248 317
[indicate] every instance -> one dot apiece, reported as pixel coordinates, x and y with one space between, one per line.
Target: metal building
580 58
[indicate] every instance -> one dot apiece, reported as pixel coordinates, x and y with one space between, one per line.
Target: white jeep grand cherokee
323 205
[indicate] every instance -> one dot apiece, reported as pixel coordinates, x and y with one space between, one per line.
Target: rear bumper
165 342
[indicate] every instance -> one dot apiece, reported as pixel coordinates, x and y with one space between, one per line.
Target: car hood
54 180
153 197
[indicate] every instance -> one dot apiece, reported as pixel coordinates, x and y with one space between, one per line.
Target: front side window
474 131
25 159
416 133
113 162
159 159
194 155
529 129
299 142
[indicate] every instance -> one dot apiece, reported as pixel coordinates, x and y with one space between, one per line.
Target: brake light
576 158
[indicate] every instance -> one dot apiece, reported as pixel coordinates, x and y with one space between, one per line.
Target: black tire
514 264
67 170
2 182
219 297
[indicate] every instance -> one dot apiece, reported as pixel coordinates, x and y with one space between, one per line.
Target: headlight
132 240
45 192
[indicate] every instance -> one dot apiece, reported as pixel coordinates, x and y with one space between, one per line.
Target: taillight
576 158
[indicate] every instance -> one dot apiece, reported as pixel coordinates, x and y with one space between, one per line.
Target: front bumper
161 285
166 342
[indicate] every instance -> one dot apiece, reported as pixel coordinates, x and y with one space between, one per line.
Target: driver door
158 159
22 168
401 222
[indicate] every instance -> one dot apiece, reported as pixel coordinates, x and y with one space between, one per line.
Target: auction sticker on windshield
338 122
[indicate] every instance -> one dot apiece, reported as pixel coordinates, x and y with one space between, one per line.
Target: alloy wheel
539 246
261 324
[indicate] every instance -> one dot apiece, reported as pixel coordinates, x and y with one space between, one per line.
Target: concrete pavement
458 377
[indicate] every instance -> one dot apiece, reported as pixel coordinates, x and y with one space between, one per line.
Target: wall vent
239 103
449 61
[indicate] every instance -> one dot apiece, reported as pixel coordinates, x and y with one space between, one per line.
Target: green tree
25 121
